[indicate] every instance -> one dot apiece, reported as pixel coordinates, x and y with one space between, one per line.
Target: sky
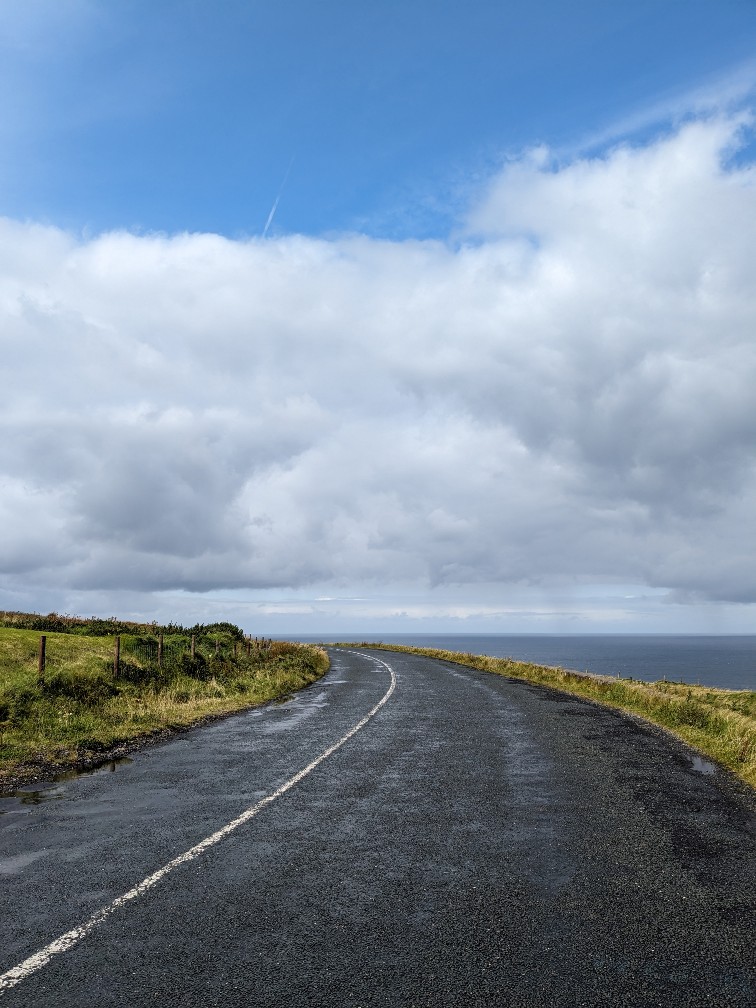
423 316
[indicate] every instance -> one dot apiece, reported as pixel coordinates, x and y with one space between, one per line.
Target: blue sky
488 367
185 115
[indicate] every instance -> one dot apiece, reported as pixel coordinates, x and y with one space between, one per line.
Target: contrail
276 201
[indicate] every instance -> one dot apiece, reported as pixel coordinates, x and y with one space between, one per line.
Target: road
473 841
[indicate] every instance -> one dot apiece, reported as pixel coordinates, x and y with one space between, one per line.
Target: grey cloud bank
563 395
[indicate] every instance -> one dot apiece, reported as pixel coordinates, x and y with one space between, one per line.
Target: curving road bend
405 832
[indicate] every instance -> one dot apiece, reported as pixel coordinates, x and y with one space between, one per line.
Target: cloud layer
564 391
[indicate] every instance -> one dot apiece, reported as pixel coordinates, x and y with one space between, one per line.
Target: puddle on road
288 712
53 790
703 766
283 714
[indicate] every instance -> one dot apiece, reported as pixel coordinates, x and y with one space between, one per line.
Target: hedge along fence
122 652
49 676
144 658
157 651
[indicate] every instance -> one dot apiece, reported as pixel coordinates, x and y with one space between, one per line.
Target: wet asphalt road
478 842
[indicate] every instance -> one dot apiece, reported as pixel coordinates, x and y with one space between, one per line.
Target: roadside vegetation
720 723
84 704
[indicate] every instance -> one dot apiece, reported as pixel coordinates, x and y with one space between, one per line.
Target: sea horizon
725 661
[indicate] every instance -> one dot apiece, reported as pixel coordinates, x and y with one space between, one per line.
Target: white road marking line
74 936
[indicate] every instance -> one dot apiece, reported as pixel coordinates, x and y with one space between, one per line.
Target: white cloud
567 393
720 93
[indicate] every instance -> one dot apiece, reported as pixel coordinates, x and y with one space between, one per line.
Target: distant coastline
726 661
719 723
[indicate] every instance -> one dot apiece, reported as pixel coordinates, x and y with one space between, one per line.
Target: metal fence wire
166 655
135 655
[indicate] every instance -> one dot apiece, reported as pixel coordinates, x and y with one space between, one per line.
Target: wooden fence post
249 646
194 644
117 656
160 651
41 662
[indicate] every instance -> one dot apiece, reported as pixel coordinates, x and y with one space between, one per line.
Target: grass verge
720 723
80 709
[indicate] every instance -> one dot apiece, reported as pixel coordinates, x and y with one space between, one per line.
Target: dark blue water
729 662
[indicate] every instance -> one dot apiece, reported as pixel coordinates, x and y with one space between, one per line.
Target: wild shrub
196 667
17 702
148 675
696 715
223 628
89 690
140 644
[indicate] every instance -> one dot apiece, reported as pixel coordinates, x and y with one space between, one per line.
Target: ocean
725 661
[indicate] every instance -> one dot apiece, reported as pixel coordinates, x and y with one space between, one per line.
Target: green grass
720 723
80 707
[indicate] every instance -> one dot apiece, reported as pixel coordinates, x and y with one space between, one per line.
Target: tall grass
719 723
80 707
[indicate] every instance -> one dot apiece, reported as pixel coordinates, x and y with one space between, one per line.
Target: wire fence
131 653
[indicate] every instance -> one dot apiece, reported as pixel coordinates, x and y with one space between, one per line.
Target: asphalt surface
479 841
